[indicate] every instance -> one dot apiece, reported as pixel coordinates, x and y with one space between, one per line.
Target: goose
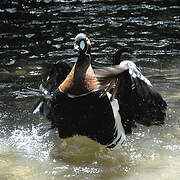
100 104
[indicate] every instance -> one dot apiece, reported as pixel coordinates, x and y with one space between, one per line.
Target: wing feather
56 76
139 102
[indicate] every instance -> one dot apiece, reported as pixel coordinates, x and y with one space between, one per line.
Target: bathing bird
103 106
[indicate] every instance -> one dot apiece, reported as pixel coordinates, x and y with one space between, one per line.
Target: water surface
33 36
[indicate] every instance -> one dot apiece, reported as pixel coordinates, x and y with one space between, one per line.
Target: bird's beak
88 42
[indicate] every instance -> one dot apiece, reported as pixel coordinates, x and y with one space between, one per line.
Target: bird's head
122 54
82 44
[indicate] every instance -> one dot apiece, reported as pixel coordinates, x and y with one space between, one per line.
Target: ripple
5 85
11 62
41 33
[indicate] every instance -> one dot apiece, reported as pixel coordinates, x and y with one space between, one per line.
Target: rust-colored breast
91 81
80 80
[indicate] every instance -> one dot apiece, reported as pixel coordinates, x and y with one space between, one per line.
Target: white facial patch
82 45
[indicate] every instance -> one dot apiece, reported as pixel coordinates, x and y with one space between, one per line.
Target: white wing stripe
118 124
134 71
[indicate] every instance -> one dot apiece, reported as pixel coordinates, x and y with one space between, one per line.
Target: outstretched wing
56 76
138 101
58 73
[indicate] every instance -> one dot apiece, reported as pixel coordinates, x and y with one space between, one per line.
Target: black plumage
72 101
78 102
88 115
138 101
56 76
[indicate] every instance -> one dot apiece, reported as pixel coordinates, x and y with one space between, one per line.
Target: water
34 36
